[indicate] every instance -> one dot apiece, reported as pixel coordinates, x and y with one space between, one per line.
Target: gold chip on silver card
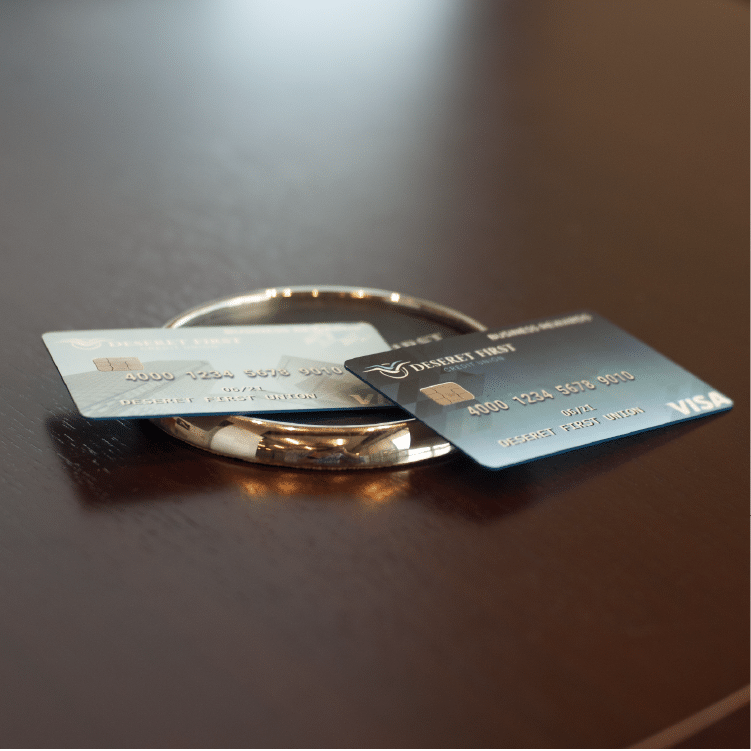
117 363
447 393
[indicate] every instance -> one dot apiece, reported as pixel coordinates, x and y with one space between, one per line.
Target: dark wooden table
510 159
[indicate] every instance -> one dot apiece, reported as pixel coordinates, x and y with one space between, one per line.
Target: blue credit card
117 373
509 396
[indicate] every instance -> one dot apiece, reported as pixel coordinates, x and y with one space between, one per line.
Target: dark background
513 160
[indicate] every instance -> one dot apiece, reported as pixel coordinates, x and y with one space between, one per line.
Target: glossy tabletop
511 160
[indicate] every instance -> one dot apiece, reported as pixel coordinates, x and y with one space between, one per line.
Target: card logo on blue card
396 369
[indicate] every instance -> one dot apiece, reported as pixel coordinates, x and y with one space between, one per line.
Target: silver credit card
204 370
509 396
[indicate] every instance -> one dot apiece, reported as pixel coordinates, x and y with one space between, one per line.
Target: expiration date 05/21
206 375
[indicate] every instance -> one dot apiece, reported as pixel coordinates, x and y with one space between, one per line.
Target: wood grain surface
510 159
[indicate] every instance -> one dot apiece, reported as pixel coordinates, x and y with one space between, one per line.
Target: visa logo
700 403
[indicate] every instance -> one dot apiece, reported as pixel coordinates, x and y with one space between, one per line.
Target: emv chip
117 363
447 393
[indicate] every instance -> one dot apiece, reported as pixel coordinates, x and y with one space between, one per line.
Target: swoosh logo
84 343
396 369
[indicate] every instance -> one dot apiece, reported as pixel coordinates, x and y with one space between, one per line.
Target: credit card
509 396
213 370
